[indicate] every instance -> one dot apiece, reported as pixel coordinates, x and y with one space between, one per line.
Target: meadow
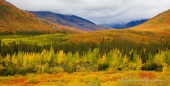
102 78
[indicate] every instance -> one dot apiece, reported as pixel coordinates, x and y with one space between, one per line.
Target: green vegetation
142 33
4 8
6 33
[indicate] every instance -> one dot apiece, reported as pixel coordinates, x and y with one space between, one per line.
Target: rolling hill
68 20
16 21
155 30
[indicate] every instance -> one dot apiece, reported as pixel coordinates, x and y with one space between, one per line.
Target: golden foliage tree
60 57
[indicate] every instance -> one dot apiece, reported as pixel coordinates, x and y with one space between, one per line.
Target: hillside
155 30
161 22
16 21
68 20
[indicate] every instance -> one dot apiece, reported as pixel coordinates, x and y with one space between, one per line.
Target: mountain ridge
160 22
126 25
68 20
15 21
155 30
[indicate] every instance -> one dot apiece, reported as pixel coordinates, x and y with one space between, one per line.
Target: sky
98 11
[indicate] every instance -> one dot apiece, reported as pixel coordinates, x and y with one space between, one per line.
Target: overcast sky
98 11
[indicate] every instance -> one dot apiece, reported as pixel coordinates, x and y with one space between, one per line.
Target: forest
21 57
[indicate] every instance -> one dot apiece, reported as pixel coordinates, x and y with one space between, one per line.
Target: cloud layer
98 11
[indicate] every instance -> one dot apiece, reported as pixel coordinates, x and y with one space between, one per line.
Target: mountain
125 25
135 23
155 30
159 23
68 20
118 26
16 21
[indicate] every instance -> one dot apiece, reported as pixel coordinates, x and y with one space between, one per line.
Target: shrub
103 66
149 66
91 80
33 80
52 80
57 70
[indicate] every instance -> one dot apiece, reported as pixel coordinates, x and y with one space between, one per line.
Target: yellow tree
124 65
125 59
25 60
160 59
139 63
60 57
114 63
7 60
165 68
102 60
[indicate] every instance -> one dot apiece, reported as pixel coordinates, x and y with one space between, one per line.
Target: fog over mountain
98 11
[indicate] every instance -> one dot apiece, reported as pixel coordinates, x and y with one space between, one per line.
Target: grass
5 9
45 39
3 78
102 78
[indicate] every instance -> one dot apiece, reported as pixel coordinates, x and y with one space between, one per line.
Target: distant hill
135 23
118 26
159 23
125 25
68 20
16 21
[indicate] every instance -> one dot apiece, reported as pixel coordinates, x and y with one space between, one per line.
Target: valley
46 48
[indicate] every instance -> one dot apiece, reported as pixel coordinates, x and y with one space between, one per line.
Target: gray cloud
98 11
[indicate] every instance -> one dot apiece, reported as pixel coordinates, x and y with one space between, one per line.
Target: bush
91 80
57 70
103 66
52 80
33 80
149 66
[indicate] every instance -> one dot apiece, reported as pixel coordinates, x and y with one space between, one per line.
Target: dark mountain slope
125 25
135 23
68 20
